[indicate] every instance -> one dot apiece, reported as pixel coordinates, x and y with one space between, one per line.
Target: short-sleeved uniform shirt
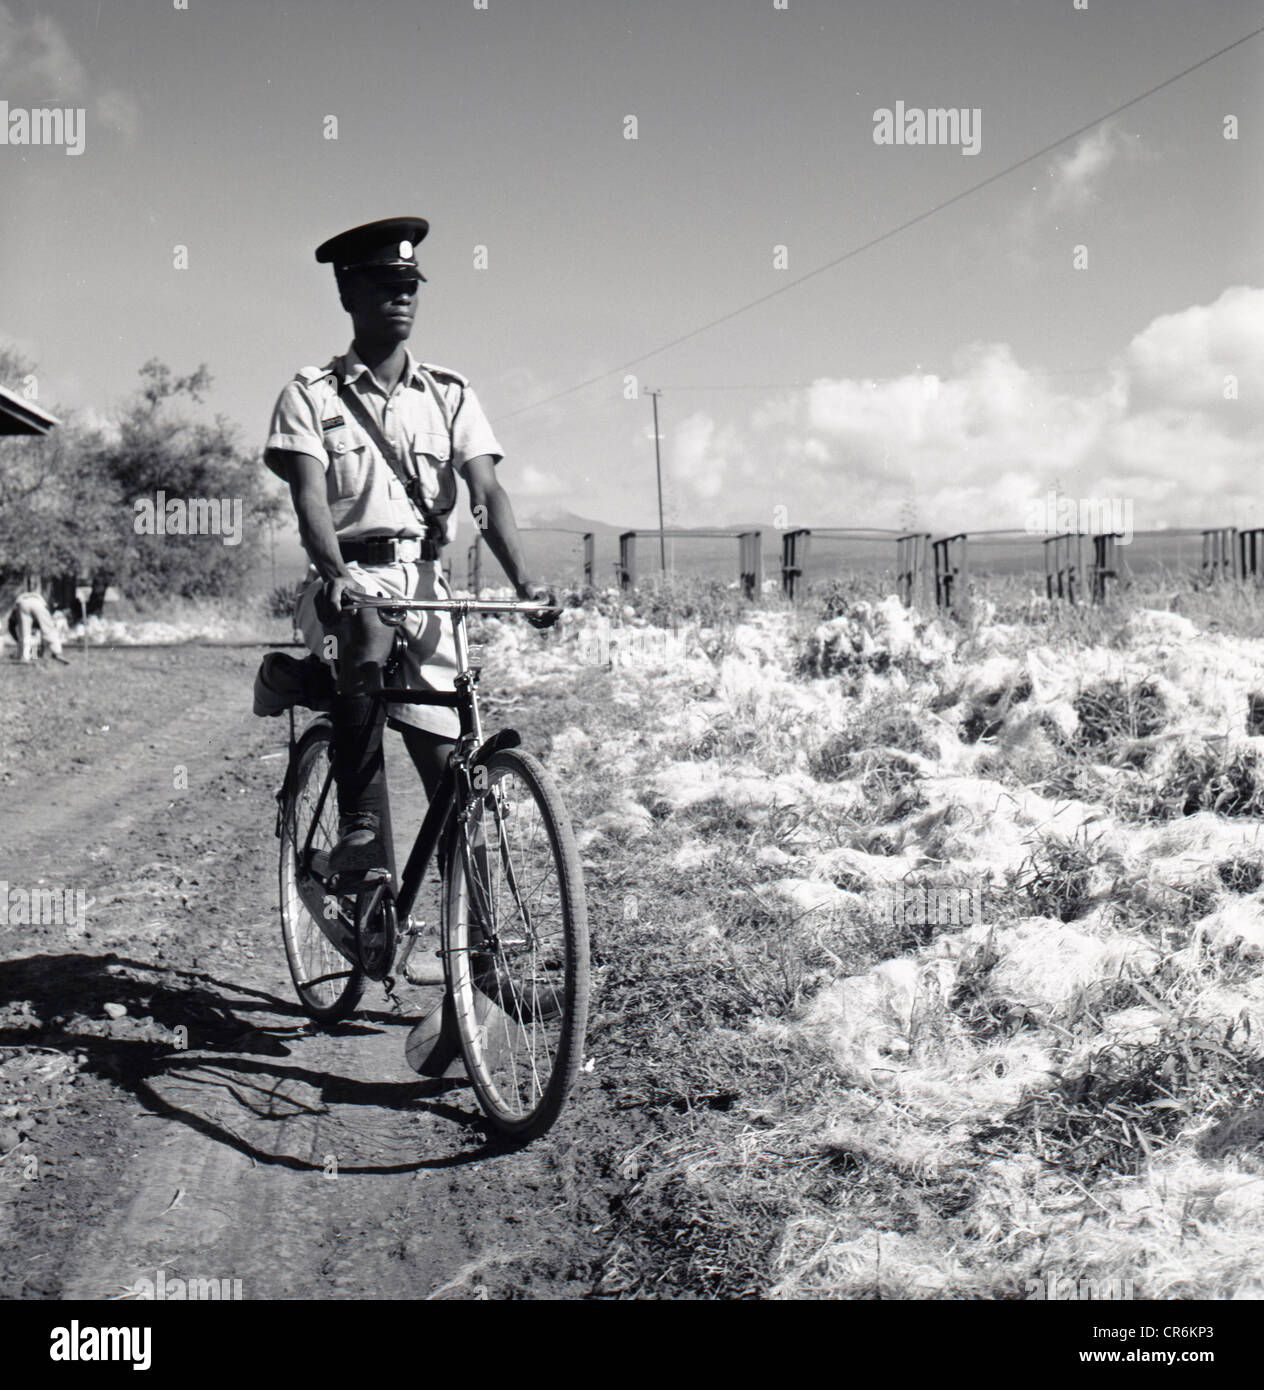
432 419
435 424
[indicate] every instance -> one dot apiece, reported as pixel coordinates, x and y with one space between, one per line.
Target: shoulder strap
429 371
434 369
310 375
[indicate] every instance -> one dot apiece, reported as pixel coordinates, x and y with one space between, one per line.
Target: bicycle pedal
375 926
348 883
426 971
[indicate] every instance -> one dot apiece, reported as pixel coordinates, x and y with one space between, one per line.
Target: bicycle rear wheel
515 934
329 986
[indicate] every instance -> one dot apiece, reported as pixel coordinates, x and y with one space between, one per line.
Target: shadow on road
208 1053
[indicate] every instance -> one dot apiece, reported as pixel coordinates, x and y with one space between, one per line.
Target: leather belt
389 550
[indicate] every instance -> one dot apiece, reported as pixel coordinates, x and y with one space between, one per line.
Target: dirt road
166 1107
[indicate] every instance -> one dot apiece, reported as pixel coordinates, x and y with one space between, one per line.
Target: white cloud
1185 360
532 483
973 447
36 59
710 464
1076 177
1071 182
39 67
700 464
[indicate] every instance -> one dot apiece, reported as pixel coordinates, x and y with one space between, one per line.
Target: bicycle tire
521 1007
328 985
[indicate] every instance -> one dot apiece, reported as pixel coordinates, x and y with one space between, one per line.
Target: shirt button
340 447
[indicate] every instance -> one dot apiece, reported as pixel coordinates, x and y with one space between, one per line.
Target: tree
68 500
160 450
51 521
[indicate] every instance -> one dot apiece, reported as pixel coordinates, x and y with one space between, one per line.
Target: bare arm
492 510
306 477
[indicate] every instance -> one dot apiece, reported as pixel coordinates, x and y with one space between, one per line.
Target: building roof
19 416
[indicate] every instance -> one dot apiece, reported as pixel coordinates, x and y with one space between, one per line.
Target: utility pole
658 469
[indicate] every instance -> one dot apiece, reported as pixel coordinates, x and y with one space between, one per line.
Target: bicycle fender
503 738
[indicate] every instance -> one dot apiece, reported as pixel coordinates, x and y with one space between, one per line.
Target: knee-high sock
429 753
359 767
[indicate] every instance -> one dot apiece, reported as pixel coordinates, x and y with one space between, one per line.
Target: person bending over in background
28 614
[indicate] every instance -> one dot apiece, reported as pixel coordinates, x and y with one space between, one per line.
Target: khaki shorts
429 660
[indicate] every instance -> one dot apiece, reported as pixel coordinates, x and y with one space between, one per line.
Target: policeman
371 445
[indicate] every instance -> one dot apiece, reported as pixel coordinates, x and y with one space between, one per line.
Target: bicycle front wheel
329 986
515 932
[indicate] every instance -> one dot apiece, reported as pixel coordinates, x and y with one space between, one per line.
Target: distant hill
557 516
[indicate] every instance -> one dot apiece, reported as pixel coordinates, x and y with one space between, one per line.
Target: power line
749 386
887 235
589 408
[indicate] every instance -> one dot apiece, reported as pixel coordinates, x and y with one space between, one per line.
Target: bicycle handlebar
451 605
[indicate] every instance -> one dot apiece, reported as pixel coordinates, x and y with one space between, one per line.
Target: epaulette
445 374
310 374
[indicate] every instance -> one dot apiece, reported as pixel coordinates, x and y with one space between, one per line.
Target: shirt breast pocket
346 474
432 458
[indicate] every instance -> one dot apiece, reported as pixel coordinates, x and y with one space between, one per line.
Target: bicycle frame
456 787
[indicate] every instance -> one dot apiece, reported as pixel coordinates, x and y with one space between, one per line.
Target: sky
943 377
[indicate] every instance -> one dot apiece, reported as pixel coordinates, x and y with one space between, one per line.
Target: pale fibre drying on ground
892 1030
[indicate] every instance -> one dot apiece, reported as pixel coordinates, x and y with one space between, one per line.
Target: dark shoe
359 849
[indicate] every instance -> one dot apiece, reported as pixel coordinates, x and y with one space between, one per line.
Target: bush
281 600
667 600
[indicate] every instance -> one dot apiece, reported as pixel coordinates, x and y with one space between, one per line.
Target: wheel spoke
327 984
532 970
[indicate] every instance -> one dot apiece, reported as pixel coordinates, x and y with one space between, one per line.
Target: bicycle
513 921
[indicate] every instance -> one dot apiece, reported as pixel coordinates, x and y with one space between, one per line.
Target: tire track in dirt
226 1166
